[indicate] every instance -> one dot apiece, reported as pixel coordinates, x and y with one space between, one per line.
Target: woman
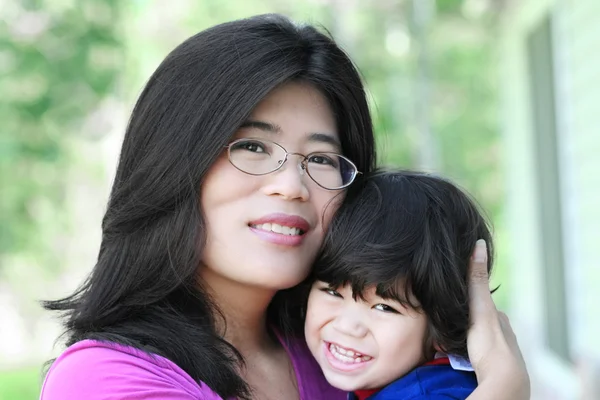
244 142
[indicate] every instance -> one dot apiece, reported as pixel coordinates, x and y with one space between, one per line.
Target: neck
244 312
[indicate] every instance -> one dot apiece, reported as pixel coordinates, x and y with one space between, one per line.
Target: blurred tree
466 120
57 61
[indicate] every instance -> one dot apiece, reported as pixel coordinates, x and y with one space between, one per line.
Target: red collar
438 361
364 394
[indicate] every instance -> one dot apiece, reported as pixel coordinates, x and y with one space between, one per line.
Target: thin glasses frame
303 163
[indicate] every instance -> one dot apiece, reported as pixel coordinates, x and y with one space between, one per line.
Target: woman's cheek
330 208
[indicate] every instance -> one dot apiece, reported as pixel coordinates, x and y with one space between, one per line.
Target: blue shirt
432 382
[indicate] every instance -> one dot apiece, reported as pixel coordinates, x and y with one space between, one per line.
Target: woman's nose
289 181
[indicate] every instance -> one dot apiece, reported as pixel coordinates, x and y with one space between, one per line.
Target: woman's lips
278 238
292 221
280 229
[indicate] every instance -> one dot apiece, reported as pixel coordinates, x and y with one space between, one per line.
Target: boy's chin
344 383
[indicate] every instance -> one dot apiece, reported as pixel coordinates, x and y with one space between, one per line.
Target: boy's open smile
344 359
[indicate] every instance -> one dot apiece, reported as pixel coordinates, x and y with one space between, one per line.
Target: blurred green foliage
58 61
21 384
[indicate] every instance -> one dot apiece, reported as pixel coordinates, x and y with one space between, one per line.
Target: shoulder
103 370
436 382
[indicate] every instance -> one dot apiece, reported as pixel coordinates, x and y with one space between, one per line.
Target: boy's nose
351 324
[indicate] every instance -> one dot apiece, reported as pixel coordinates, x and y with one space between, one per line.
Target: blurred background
500 95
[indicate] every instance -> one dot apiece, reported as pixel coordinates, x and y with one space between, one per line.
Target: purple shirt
95 370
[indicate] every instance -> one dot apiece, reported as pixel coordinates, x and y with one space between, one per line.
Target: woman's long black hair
144 289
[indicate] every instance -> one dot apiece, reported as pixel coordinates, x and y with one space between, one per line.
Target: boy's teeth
345 352
284 230
347 356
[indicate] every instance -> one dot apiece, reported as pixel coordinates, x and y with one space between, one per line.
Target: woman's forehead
292 109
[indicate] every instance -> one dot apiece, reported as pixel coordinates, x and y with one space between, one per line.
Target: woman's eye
385 308
322 159
254 147
251 146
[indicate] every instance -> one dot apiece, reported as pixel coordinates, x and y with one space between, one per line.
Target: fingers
478 273
507 330
480 299
504 319
509 333
491 341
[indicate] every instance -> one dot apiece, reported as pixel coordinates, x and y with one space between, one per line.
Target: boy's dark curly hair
411 235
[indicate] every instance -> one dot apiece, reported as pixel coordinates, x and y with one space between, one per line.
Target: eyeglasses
331 171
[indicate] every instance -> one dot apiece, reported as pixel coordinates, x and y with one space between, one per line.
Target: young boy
387 315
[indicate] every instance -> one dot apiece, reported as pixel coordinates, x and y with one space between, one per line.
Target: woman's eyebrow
262 125
317 137
325 138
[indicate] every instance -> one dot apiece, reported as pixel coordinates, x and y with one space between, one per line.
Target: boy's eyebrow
269 127
393 296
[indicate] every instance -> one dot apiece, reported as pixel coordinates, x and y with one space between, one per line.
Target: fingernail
480 251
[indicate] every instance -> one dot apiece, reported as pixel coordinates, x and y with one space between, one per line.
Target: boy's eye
331 292
385 308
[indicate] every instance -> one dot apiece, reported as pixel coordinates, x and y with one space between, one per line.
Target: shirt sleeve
102 373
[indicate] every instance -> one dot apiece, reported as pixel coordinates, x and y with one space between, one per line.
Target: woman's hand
492 345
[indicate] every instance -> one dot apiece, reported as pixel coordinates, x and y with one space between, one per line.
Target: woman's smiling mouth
276 228
281 229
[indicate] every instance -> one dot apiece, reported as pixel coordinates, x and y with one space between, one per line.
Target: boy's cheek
311 315
312 330
317 314
313 303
